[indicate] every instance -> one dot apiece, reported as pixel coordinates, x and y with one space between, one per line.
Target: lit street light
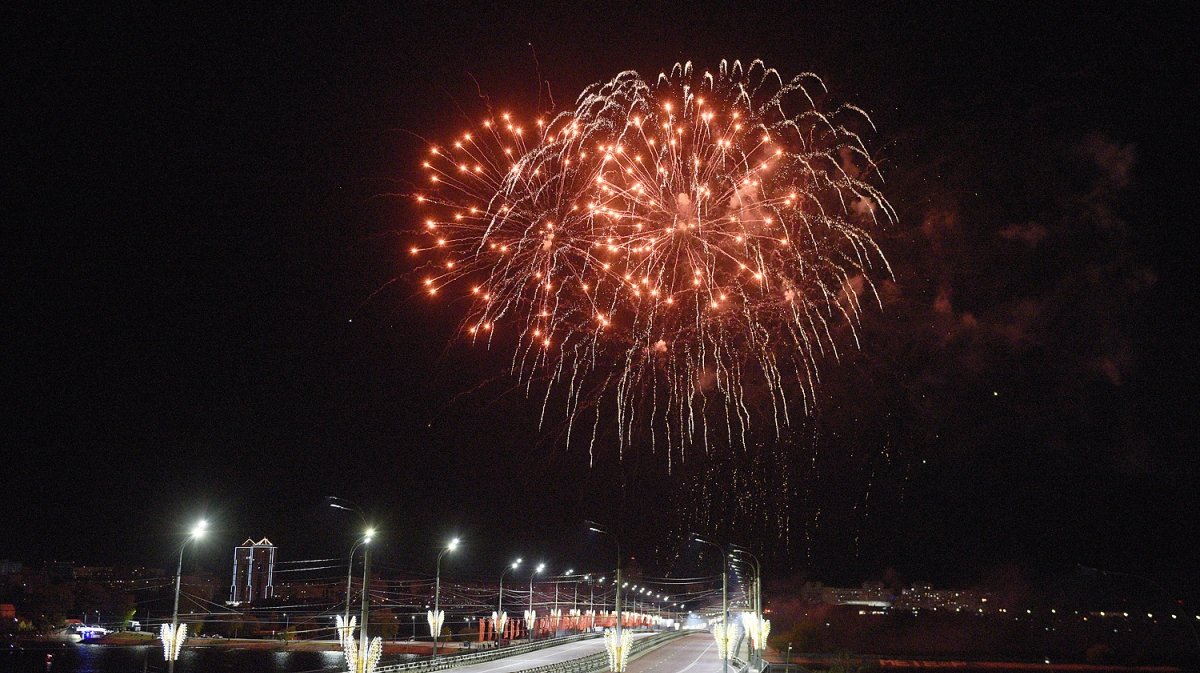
365 539
364 657
530 615
724 594
173 640
761 627
618 640
435 617
500 617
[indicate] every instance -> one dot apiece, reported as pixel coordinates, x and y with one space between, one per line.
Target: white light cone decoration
756 628
435 621
573 622
618 653
764 630
750 626
345 630
726 636
374 651
350 650
556 618
172 641
500 620
530 621
748 621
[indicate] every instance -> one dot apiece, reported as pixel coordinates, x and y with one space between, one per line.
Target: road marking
689 666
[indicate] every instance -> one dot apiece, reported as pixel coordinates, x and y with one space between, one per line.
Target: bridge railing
772 667
593 663
455 660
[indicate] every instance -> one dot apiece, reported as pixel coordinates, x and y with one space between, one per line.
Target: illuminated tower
253 571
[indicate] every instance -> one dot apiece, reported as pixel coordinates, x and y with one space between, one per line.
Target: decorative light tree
530 620
725 635
345 629
172 640
500 620
435 619
617 643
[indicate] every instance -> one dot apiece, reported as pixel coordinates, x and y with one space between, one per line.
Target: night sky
208 308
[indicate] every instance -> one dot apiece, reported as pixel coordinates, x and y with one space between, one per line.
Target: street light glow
453 544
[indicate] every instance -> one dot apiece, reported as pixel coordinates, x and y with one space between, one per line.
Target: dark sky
201 314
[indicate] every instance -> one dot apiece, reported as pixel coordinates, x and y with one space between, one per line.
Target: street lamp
724 594
618 645
173 639
597 528
363 659
365 539
435 617
530 615
500 617
758 610
365 656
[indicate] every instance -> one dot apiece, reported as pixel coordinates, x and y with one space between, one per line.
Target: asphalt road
550 655
690 654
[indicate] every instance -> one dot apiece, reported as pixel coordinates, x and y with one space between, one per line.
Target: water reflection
72 658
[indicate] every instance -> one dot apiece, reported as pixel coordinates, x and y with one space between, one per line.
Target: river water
78 658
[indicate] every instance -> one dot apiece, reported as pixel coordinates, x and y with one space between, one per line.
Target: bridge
682 651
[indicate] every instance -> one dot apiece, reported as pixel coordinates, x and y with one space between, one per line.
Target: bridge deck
550 655
690 654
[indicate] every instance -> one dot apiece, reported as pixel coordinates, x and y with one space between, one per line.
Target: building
98 573
253 572
872 594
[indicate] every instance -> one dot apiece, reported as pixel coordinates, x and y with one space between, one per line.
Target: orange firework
668 247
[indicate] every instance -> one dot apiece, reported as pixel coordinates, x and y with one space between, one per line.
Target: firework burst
683 251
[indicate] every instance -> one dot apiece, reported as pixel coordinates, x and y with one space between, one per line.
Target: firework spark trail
663 248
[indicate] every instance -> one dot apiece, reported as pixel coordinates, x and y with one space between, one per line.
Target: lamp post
500 599
530 615
724 594
363 652
751 621
365 539
757 598
173 650
597 528
619 648
436 622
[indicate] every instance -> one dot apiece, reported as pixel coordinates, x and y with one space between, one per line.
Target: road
550 655
689 654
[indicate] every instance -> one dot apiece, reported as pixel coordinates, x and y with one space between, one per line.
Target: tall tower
253 571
